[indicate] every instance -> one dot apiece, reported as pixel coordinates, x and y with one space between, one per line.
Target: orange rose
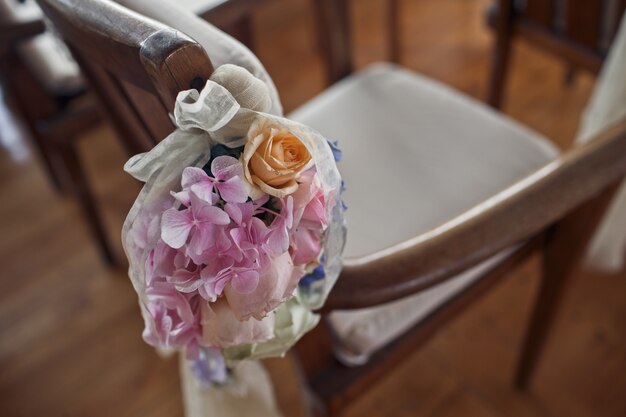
272 159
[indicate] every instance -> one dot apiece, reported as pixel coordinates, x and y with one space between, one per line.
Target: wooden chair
577 31
49 94
235 17
335 45
550 204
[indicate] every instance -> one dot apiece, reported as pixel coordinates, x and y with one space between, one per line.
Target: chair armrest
13 31
520 212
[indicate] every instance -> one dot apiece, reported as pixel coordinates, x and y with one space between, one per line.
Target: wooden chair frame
553 211
578 42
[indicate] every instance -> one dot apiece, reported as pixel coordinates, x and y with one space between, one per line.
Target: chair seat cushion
52 64
45 55
200 6
416 154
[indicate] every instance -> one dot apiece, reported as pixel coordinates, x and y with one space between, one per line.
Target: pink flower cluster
224 262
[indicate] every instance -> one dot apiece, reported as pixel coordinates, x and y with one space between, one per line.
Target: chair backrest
221 47
141 65
136 65
580 27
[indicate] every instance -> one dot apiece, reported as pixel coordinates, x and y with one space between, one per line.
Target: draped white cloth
252 395
606 107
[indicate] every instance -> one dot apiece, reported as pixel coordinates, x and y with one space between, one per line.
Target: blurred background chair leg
501 16
63 133
570 76
394 30
563 250
87 199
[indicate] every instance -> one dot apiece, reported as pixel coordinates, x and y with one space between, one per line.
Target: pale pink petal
240 238
204 191
306 246
185 281
221 329
315 210
233 190
214 278
193 175
276 284
175 227
234 211
225 167
278 241
182 197
211 214
245 282
164 258
206 242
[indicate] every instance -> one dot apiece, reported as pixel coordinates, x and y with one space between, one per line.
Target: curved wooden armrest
515 214
13 31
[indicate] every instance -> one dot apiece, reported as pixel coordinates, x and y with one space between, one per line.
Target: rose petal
307 246
220 327
245 282
276 284
282 192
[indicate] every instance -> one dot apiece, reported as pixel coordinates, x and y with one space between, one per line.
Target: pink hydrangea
223 261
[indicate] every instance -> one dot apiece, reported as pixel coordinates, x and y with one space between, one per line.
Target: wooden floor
70 328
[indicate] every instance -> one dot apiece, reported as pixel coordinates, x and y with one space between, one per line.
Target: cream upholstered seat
416 154
46 55
199 6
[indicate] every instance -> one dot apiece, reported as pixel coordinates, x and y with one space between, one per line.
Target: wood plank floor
70 328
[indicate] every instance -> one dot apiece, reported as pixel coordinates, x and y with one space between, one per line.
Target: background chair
579 32
48 90
50 95
512 205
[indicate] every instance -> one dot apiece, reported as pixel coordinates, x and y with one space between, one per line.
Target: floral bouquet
237 234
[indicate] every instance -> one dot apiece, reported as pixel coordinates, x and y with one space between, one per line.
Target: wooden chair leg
564 248
570 76
47 155
332 18
501 53
393 22
87 200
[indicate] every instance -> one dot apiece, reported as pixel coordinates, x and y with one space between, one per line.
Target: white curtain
606 107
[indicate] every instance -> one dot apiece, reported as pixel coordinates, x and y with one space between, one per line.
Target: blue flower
334 147
210 367
317 274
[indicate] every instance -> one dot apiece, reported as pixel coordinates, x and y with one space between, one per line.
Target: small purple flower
210 367
334 147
